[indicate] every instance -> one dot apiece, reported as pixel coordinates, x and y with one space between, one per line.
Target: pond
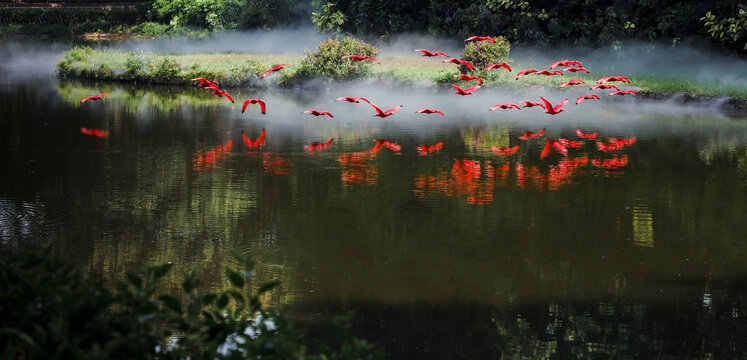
453 251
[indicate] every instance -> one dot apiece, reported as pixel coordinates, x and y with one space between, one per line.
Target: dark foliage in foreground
50 309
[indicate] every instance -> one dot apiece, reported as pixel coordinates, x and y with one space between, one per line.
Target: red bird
429 111
315 145
461 62
493 66
528 104
605 79
94 132
468 91
480 38
206 83
553 144
572 82
276 68
505 151
554 110
317 113
550 72
623 92
254 143
604 86
219 92
587 136
505 106
586 97
522 73
466 77
383 114
565 63
94 97
355 100
360 58
424 150
431 53
576 69
261 103
531 135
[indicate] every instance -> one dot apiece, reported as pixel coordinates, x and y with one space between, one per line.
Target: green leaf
267 286
135 280
222 301
171 303
235 278
160 270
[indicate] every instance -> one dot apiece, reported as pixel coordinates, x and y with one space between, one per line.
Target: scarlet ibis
531 135
355 100
505 106
572 82
554 110
604 86
565 63
431 53
466 77
505 150
261 103
315 145
276 68
468 91
549 72
522 73
528 104
493 66
480 38
587 136
218 91
206 83
383 114
605 79
360 58
553 144
94 97
424 150
576 69
254 143
429 111
586 97
317 113
461 62
623 92
94 132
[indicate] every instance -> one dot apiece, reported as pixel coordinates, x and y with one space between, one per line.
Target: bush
211 14
731 32
167 68
326 61
483 53
134 66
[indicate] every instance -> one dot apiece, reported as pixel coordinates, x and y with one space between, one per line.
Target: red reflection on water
505 151
252 144
276 164
317 146
615 144
94 132
207 159
571 144
612 163
553 144
464 180
531 135
354 166
424 150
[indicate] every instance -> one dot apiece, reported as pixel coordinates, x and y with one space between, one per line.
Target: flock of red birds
559 145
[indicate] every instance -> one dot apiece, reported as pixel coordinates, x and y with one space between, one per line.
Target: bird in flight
505 151
218 91
206 83
383 114
429 111
94 97
498 65
623 92
355 100
524 72
565 63
254 143
466 77
461 62
554 110
360 58
572 82
586 97
261 103
605 79
480 38
317 113
528 104
431 53
604 86
505 106
549 72
467 91
276 68
576 69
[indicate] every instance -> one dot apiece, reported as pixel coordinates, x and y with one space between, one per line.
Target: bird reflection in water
204 160
94 132
356 168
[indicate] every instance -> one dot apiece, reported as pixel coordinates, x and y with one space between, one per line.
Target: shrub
151 29
212 14
134 66
167 68
483 53
326 60
731 32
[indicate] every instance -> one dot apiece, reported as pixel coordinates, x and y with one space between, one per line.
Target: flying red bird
429 111
623 92
586 97
572 82
553 144
461 62
315 145
505 151
604 86
480 38
424 150
505 106
383 114
94 132
493 66
276 68
554 110
254 143
576 69
431 53
466 77
94 97
355 100
565 63
522 73
206 83
468 91
360 58
528 104
531 135
549 72
605 79
218 91
261 103
587 136
317 113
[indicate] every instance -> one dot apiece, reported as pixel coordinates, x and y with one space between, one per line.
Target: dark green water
461 253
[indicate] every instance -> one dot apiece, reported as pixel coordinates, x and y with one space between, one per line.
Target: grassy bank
244 70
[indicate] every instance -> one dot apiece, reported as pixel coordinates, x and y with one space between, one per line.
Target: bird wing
378 110
548 106
457 88
246 103
560 106
262 106
471 89
265 74
548 147
392 110
86 98
227 96
362 98
326 113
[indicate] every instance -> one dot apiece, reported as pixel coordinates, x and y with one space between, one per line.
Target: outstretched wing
560 106
469 90
392 110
